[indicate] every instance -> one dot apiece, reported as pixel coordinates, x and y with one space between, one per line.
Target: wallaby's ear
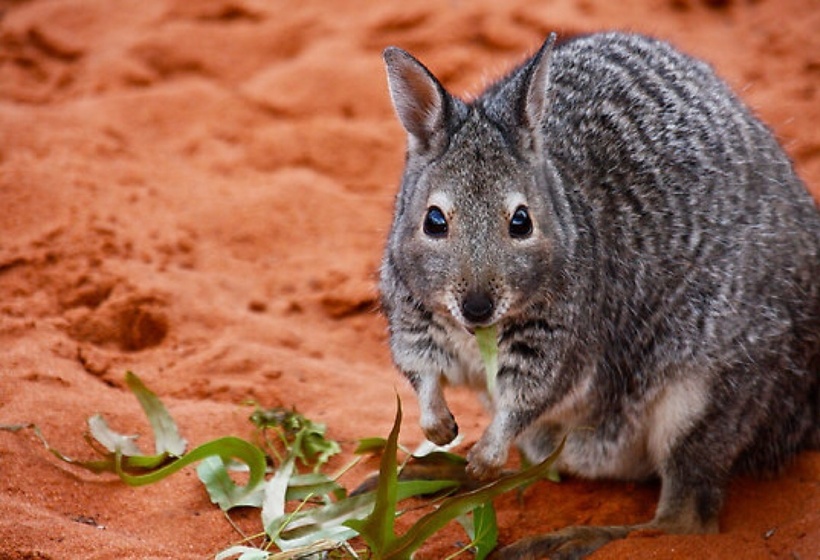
521 101
536 103
421 102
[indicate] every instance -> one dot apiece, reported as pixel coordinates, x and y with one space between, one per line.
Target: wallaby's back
695 239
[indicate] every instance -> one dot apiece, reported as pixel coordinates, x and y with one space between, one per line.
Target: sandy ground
199 192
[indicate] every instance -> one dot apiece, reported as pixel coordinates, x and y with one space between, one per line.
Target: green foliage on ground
303 514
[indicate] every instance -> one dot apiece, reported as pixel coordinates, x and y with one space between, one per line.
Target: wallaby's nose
477 307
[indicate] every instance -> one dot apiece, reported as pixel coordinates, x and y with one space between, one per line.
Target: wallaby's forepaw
485 461
572 543
441 430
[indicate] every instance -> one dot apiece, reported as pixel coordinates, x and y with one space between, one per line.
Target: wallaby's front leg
517 402
513 413
420 357
488 456
436 420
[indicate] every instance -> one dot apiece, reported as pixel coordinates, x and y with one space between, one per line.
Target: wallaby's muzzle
477 307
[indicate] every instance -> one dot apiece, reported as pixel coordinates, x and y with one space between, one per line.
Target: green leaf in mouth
487 338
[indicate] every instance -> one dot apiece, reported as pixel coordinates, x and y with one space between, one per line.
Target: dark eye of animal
520 223
435 223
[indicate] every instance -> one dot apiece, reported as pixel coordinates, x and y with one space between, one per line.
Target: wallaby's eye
520 223
435 223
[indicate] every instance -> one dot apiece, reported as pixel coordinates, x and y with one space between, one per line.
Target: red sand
199 192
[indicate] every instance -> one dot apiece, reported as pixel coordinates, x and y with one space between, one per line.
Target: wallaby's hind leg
691 498
571 543
688 505
684 507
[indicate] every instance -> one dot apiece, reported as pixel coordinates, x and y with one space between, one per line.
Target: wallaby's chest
468 369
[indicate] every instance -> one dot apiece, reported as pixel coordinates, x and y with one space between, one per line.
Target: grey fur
667 298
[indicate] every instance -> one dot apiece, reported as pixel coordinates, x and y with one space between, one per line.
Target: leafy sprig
302 514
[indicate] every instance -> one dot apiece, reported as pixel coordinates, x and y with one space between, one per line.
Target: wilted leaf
370 445
243 553
166 434
427 447
325 522
302 486
96 467
111 440
222 489
273 505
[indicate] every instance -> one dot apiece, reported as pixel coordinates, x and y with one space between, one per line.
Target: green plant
377 528
302 514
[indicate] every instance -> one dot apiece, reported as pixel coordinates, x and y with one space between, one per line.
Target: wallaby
648 255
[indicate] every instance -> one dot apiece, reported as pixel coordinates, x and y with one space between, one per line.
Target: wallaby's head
474 234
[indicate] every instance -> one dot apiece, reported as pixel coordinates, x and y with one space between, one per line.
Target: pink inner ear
416 98
426 101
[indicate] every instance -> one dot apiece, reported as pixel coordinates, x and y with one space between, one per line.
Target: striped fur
667 297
